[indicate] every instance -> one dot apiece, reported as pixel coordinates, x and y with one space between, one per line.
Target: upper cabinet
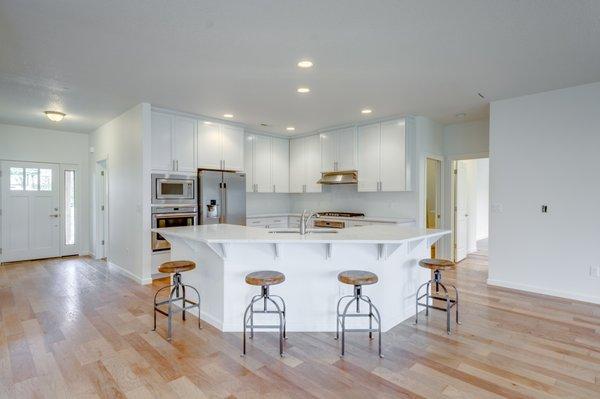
220 146
305 164
338 150
383 164
267 164
173 142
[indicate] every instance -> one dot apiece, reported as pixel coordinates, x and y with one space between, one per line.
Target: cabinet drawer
256 222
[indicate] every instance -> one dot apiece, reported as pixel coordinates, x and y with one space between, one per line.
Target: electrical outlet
595 271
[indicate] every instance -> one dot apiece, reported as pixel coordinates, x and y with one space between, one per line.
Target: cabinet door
208 144
248 159
329 151
233 147
161 141
280 165
368 157
346 149
297 171
312 149
184 144
393 157
261 164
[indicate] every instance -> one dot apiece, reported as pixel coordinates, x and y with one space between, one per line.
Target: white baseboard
128 274
545 291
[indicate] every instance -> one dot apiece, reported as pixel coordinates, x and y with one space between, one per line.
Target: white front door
31 211
461 214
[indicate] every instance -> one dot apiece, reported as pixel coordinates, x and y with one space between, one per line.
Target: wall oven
173 189
170 217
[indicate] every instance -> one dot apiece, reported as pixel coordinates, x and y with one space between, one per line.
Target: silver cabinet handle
55 215
177 164
274 188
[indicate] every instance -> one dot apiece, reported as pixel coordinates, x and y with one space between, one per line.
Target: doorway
101 210
433 197
471 207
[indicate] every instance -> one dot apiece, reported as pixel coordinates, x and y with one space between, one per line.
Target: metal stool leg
417 303
338 315
266 298
447 307
456 303
344 324
283 311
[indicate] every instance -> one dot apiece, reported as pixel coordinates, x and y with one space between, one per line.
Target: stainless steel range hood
339 177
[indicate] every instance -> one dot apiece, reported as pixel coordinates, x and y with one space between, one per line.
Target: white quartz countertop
358 219
226 233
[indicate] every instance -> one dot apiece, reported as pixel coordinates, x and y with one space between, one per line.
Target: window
30 179
69 207
16 179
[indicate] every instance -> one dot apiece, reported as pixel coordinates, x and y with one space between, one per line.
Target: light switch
544 208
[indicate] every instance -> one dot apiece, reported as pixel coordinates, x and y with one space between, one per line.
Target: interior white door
368 157
233 147
280 165
261 164
161 133
297 165
184 144
31 226
393 157
208 142
461 216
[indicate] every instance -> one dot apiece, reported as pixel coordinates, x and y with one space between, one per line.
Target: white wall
120 141
482 194
21 143
262 203
470 139
544 150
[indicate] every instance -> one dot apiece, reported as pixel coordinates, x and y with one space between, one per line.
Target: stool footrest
436 307
358 315
262 326
361 330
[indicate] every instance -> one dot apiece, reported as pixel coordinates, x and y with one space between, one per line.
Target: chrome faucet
305 219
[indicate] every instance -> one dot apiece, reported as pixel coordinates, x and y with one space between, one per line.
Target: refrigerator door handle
223 218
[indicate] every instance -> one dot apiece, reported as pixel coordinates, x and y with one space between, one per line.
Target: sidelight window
69 207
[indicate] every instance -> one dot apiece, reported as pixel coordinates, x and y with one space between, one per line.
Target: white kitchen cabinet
261 164
220 146
280 165
184 144
173 141
209 145
382 157
305 164
338 150
268 222
232 142
368 157
248 148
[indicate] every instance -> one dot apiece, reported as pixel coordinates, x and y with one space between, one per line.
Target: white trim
128 274
544 291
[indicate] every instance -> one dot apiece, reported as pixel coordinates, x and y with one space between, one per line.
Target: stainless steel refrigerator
221 197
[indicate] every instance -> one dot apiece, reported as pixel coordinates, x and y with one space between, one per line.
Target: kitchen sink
310 231
284 232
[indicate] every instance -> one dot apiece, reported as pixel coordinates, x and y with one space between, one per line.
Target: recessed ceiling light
55 116
460 115
227 115
305 64
366 111
290 128
303 90
207 123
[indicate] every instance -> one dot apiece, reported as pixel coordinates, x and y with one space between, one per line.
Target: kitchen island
224 254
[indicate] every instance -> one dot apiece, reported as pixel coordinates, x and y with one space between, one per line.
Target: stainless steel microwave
173 189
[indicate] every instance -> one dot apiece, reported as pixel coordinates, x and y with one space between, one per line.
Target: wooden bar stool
437 265
265 279
176 268
357 278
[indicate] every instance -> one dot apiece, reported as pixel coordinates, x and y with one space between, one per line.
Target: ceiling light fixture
366 111
290 128
305 64
55 116
460 115
303 90
207 123
227 115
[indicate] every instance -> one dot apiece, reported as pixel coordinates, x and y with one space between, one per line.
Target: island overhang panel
224 255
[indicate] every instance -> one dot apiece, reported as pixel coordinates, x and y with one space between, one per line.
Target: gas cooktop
342 214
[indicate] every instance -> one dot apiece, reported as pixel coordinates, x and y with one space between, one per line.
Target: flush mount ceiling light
227 115
305 64
290 128
55 116
366 111
303 90
207 123
460 115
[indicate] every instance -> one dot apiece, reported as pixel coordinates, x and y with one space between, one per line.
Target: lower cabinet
268 223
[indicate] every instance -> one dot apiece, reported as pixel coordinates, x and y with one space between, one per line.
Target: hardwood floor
72 328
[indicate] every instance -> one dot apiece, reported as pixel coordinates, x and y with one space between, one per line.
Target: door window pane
69 207
32 179
45 179
16 179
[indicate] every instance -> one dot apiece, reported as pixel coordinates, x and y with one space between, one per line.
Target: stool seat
265 277
177 266
437 264
357 277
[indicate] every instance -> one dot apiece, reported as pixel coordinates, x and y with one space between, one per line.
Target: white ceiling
95 59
